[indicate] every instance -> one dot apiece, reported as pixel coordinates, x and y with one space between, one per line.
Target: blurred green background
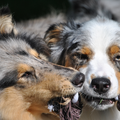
27 9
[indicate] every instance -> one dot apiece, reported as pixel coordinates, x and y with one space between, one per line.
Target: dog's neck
91 114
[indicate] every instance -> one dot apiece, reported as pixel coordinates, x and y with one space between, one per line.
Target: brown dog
28 83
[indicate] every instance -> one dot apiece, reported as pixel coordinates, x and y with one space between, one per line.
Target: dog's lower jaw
98 106
90 113
98 103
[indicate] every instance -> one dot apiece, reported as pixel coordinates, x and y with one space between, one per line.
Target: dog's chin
97 106
98 103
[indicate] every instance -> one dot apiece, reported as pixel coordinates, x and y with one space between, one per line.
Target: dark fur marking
57 67
52 27
90 8
35 42
62 58
6 36
72 25
72 47
5 10
21 52
8 80
63 38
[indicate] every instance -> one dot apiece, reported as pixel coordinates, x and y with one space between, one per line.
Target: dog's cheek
118 77
118 103
68 62
73 61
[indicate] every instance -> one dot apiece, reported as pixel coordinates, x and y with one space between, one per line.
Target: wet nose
101 85
78 80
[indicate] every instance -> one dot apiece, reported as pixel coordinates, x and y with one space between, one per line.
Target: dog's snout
78 80
101 85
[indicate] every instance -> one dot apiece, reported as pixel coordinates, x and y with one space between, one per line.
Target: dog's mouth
98 100
67 107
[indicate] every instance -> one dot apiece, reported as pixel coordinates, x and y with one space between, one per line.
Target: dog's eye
82 56
117 58
27 74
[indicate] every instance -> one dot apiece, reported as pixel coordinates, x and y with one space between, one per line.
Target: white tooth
116 98
50 107
75 98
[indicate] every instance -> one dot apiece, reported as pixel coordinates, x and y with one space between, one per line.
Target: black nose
101 85
78 80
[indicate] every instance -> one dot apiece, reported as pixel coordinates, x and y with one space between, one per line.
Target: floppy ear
59 38
6 23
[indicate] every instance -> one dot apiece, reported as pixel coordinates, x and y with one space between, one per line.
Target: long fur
92 47
27 82
81 11
35 25
84 10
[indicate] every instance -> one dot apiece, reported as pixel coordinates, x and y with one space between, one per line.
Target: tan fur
68 62
53 40
31 102
86 50
43 57
114 49
6 25
92 76
22 68
83 66
56 32
37 81
34 53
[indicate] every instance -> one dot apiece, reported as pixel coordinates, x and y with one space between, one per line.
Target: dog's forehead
13 52
102 33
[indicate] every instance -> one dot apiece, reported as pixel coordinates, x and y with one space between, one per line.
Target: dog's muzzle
99 100
101 85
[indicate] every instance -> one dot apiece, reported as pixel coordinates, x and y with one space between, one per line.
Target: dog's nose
78 80
101 85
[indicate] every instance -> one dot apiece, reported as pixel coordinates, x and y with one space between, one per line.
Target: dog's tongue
71 111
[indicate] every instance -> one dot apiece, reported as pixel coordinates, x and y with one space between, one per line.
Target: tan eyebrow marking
114 49
86 50
22 68
33 52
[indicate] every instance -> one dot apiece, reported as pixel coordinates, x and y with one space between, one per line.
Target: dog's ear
6 21
59 38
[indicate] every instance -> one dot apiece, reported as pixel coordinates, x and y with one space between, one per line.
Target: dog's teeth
75 98
116 98
51 108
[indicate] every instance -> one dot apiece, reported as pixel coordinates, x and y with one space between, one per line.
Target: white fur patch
102 34
50 107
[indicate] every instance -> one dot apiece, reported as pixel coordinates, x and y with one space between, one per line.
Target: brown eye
82 56
117 58
80 59
27 74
